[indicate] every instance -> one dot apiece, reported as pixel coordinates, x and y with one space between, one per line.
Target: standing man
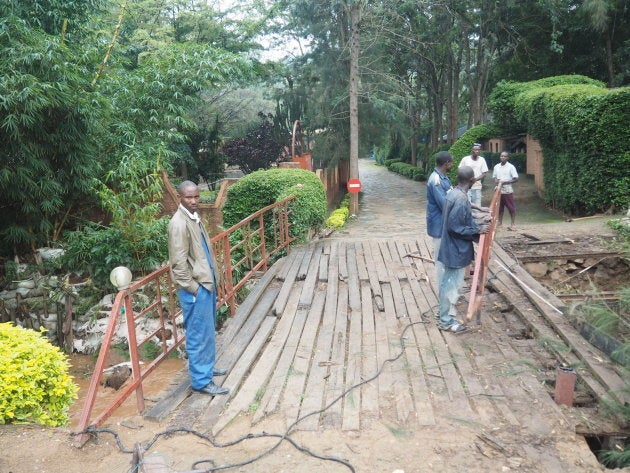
480 168
193 269
438 185
505 173
459 230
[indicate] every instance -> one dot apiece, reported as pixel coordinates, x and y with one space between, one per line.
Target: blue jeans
439 267
199 319
451 283
474 196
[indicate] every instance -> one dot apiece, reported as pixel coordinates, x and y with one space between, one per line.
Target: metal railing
242 251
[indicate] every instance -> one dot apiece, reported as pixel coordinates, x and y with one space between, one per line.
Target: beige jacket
189 266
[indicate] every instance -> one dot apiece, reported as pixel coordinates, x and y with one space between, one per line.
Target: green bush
407 170
262 188
34 382
502 100
583 131
338 218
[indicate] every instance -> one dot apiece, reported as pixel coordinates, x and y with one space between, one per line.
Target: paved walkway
389 205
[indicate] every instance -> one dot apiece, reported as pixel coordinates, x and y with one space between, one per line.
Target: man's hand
484 229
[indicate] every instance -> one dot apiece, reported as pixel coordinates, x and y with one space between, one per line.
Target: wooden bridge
341 334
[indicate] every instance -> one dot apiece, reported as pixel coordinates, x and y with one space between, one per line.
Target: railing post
263 242
133 351
227 261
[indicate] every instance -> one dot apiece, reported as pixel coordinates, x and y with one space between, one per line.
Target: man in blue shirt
438 185
459 230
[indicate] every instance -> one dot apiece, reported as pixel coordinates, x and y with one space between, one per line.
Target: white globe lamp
120 277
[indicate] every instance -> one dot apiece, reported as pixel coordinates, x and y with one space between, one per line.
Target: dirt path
390 206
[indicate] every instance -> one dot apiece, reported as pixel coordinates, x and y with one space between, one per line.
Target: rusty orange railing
482 258
242 250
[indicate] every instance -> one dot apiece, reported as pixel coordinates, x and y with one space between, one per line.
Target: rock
537 270
28 284
50 253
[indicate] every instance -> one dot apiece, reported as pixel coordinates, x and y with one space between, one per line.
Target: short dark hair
442 158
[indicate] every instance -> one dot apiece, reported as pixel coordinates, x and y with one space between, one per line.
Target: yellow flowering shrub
34 382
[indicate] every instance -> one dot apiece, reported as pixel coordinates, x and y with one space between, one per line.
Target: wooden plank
335 382
306 261
234 324
323 262
361 267
228 354
308 290
236 375
354 288
290 278
603 372
385 382
398 264
299 368
504 285
379 262
254 386
352 402
372 271
369 391
398 369
314 392
419 387
390 266
270 399
171 397
343 266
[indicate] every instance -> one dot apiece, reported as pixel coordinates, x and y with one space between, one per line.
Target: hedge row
262 188
584 134
407 170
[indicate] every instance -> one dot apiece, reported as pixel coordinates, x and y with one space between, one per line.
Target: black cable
281 437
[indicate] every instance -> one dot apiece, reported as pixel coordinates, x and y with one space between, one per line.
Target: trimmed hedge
34 382
502 101
407 170
338 218
262 188
584 134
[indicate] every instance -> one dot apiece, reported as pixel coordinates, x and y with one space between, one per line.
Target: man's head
189 195
465 175
504 157
444 160
475 150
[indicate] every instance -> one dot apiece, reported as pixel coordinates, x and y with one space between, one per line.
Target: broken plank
289 280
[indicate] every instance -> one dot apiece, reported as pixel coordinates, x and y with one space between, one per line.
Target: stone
537 270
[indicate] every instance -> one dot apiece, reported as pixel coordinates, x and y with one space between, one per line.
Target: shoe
219 372
212 389
455 327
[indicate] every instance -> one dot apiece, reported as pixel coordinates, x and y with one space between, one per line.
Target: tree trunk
355 16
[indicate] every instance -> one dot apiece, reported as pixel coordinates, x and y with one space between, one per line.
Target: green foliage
583 132
34 381
262 188
49 125
136 235
407 170
338 218
502 100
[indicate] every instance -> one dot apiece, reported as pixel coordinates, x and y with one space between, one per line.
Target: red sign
354 186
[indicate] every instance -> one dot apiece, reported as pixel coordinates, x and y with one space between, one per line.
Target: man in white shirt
505 173
480 168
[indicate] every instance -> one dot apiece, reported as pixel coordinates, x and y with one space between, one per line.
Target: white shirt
478 165
193 216
505 172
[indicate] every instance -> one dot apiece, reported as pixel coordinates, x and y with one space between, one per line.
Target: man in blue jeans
459 230
193 270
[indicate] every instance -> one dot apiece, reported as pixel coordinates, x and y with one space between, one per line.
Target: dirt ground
379 447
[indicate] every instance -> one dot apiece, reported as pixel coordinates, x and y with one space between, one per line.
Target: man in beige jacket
193 269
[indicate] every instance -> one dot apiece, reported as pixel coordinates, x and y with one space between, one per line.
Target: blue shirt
459 230
437 187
